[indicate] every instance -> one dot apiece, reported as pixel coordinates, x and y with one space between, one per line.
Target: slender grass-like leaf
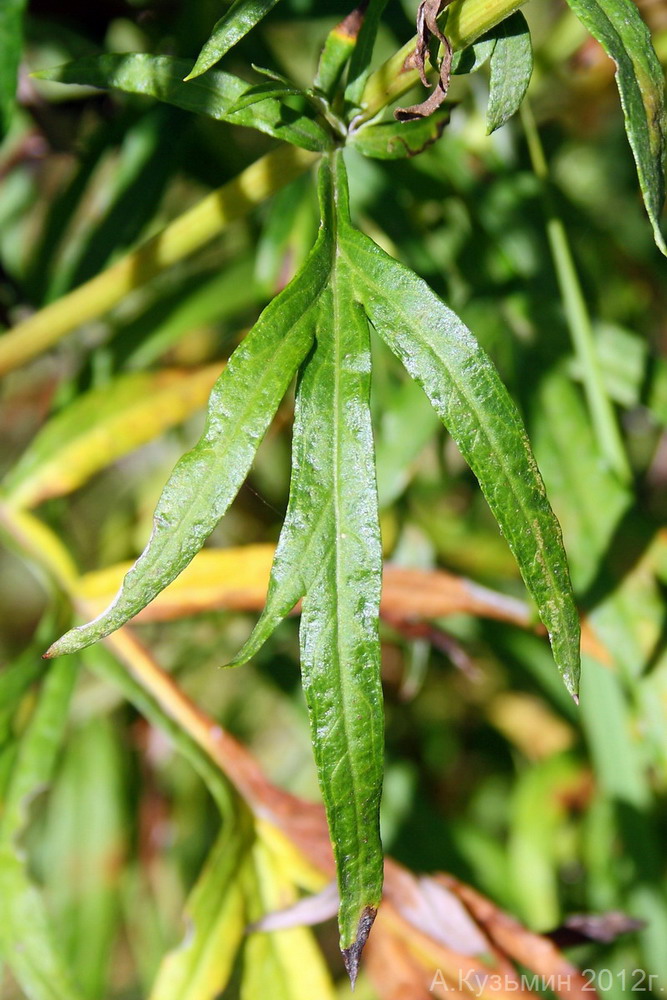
200 966
207 479
27 942
103 425
285 964
230 29
11 41
511 69
86 836
363 51
618 26
215 95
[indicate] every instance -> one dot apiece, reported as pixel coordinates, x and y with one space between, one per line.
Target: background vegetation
492 773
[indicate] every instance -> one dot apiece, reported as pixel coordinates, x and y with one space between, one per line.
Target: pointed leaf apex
352 955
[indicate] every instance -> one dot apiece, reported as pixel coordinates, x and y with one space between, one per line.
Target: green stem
181 237
463 22
578 319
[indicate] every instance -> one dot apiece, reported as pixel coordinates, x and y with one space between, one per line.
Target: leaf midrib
491 440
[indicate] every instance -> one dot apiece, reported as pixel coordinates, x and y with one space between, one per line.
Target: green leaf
511 69
26 938
468 395
206 480
86 835
262 91
215 95
11 41
470 59
396 140
230 29
618 27
338 47
329 553
363 51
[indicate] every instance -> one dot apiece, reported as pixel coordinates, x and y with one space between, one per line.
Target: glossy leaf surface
466 391
215 95
329 553
618 26
230 29
207 479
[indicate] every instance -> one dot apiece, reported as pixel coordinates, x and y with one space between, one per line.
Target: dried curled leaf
427 26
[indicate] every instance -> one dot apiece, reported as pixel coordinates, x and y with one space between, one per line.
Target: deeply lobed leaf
329 552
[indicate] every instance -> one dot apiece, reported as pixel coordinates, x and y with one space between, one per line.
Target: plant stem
463 22
601 409
181 237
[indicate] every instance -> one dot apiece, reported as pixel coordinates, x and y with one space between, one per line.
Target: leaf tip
55 649
352 955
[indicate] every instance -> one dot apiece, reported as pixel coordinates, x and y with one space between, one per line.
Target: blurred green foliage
492 773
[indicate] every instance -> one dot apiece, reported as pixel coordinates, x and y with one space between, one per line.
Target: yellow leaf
216 578
285 964
102 426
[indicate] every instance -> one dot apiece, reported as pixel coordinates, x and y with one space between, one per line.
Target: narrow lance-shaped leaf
468 395
371 12
27 942
214 95
230 29
206 480
338 47
201 964
511 70
618 26
329 553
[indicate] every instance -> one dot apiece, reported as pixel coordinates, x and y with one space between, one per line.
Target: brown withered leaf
534 951
427 26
